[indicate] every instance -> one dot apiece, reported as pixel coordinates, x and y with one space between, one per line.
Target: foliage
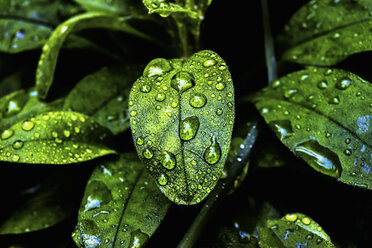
116 115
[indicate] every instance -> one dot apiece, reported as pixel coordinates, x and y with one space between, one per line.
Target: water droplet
189 128
139 141
209 63
335 100
220 86
306 220
138 239
322 85
160 97
145 88
289 93
66 133
168 160
347 140
320 158
275 84
309 236
291 217
15 105
147 153
133 113
348 152
219 111
343 84
213 152
15 158
27 125
198 100
282 128
6 134
162 180
18 144
182 81
157 67
98 195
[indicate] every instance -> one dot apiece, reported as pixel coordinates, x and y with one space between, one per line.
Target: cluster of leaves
180 111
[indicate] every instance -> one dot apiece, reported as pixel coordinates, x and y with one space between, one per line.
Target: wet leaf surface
104 96
122 206
293 230
324 116
181 117
54 138
48 58
325 32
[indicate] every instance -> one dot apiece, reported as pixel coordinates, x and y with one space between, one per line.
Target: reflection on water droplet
6 134
27 125
162 180
168 160
343 84
320 158
348 152
98 195
138 239
160 97
189 128
219 111
209 63
282 128
18 144
306 220
133 113
139 141
157 67
182 81
15 158
198 100
220 86
147 153
322 85
289 93
291 217
335 100
145 88
213 152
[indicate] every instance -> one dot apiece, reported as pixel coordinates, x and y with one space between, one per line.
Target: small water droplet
198 100
133 113
162 180
145 88
139 141
66 133
289 93
348 152
212 153
219 111
168 160
335 100
343 84
282 128
306 220
209 63
220 86
15 158
322 85
320 158
6 134
347 140
27 125
147 153
18 144
189 128
160 97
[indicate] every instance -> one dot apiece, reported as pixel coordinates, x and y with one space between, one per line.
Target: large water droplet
209 63
343 84
320 158
98 195
168 160
182 81
138 239
162 180
157 67
27 125
147 153
189 128
198 100
6 134
282 128
160 97
213 152
16 104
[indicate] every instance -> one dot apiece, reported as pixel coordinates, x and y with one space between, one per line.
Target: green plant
86 83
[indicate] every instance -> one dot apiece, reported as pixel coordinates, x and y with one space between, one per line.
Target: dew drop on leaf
209 63
162 180
147 153
282 128
213 152
18 144
322 85
157 67
6 134
182 81
343 84
198 100
27 125
320 158
168 160
189 128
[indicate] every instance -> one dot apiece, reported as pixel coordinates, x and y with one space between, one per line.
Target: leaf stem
269 46
222 188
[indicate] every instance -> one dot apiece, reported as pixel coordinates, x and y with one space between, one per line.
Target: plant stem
269 46
221 190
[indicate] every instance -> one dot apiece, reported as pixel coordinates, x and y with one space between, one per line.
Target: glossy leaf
181 117
54 138
48 58
116 7
293 230
324 117
122 207
104 96
22 104
325 32
164 8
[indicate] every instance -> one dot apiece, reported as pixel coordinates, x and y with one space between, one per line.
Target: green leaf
181 116
48 58
116 7
325 32
293 230
54 138
324 117
23 104
165 8
104 96
122 207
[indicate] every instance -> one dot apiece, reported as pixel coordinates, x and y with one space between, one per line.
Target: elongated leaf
293 230
165 8
48 59
181 116
116 7
324 117
104 95
325 32
22 104
122 207
54 138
